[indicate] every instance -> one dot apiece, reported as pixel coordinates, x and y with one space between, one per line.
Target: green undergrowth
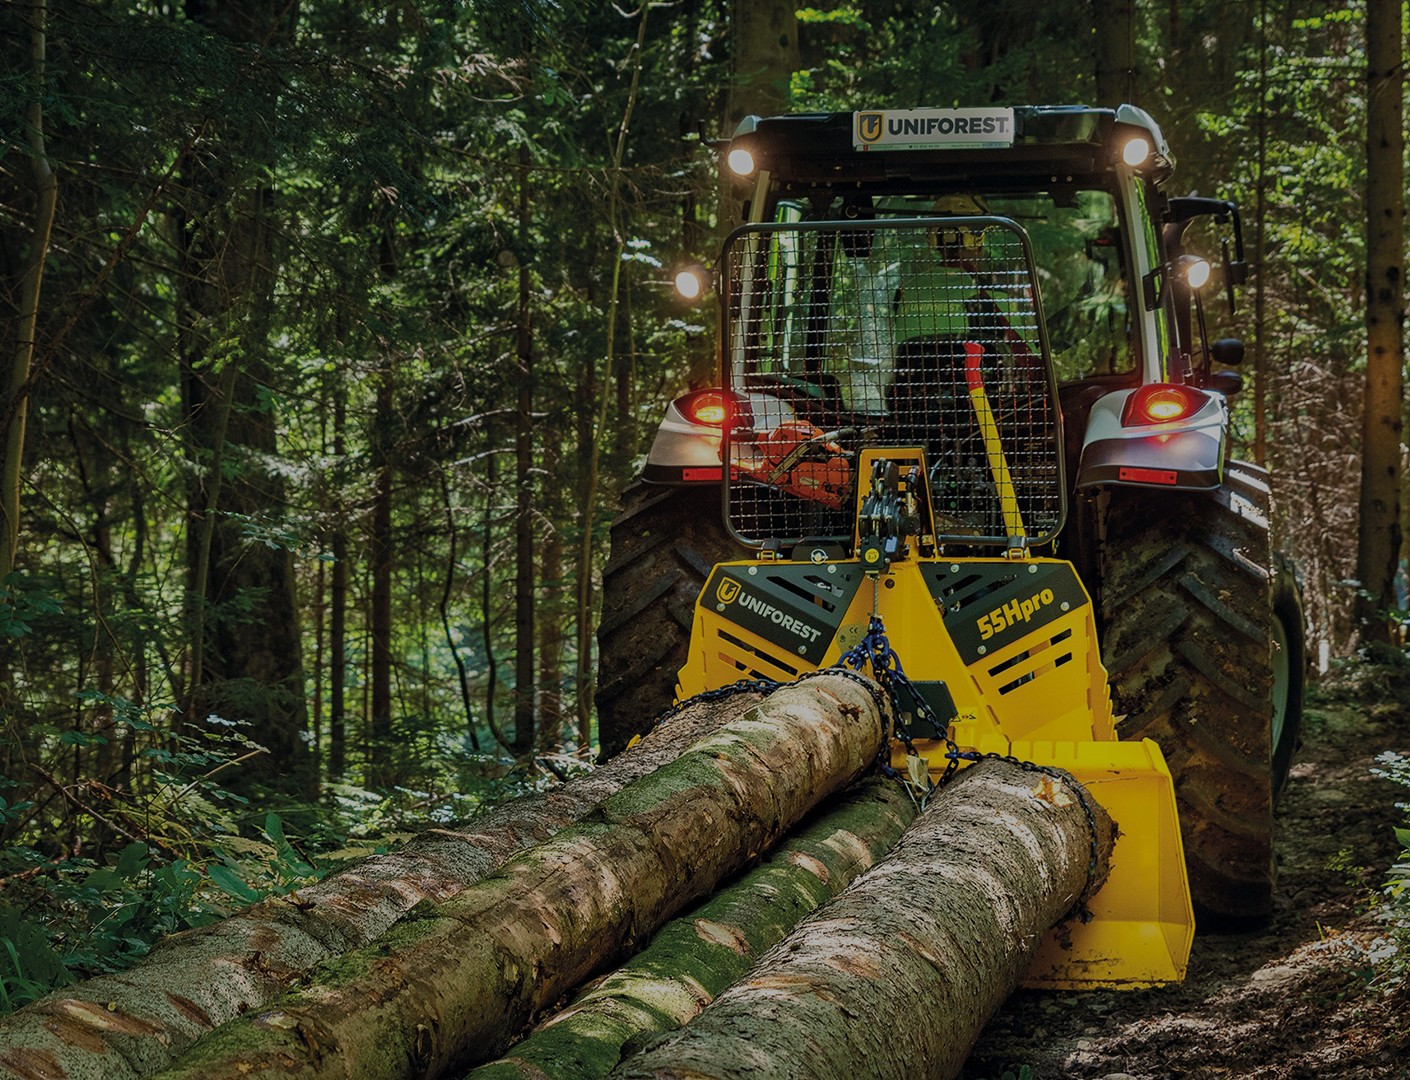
1378 679
62 919
1394 955
94 874
1374 687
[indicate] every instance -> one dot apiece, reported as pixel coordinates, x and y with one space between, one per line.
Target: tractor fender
1182 455
686 451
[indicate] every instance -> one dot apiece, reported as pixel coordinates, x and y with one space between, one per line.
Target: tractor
966 386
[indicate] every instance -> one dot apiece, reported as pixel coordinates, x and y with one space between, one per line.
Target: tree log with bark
457 985
896 977
135 1023
694 958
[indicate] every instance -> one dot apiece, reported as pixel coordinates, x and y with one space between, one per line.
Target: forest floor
1295 998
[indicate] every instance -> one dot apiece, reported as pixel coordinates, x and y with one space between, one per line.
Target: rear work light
1161 403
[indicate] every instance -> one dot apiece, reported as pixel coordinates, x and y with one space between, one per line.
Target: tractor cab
856 245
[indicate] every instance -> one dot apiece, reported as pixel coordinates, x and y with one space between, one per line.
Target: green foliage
1347 863
24 600
1396 907
74 917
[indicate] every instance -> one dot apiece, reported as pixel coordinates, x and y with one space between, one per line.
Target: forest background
334 332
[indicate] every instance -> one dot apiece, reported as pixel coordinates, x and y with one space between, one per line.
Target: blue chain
874 649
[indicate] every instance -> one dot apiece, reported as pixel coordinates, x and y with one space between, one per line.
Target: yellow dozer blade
1142 925
1004 651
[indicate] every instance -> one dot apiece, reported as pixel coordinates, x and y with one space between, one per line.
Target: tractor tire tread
663 545
1187 607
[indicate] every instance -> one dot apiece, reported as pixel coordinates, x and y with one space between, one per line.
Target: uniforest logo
933 129
726 591
757 614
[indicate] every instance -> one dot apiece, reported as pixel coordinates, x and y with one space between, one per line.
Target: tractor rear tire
664 544
1204 644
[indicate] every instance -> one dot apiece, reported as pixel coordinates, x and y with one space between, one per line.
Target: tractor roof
900 149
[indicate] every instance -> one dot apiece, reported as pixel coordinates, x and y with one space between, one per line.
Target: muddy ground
1297 998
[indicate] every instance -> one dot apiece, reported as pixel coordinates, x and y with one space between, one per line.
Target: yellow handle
993 446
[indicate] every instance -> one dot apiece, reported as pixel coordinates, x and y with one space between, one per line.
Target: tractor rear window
1077 253
912 332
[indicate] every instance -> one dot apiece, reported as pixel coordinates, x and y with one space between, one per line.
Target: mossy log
895 978
697 956
456 985
130 1025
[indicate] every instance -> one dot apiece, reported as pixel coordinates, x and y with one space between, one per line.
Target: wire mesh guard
921 332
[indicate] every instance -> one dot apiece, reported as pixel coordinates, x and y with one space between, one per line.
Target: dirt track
1288 1000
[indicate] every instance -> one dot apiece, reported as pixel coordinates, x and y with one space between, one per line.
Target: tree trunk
382 755
456 986
338 595
551 585
1378 547
583 627
695 958
1260 250
896 977
247 659
524 696
763 58
590 474
26 325
200 979
486 596
1115 51
462 675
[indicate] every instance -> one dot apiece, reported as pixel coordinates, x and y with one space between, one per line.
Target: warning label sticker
927 129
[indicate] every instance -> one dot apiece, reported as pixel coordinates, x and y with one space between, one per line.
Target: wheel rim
1282 683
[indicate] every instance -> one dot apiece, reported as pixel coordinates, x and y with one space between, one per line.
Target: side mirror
1184 207
1228 352
1227 383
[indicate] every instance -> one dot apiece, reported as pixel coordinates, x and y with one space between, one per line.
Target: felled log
130 1025
697 956
895 978
455 985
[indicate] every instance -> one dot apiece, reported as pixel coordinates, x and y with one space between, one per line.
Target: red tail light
713 408
709 408
1161 403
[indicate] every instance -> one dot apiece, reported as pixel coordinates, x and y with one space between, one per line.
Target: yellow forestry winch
1004 652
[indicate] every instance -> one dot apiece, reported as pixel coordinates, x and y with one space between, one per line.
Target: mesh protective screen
919 332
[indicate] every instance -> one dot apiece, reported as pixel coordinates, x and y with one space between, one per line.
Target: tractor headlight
740 161
1196 271
691 281
1136 151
